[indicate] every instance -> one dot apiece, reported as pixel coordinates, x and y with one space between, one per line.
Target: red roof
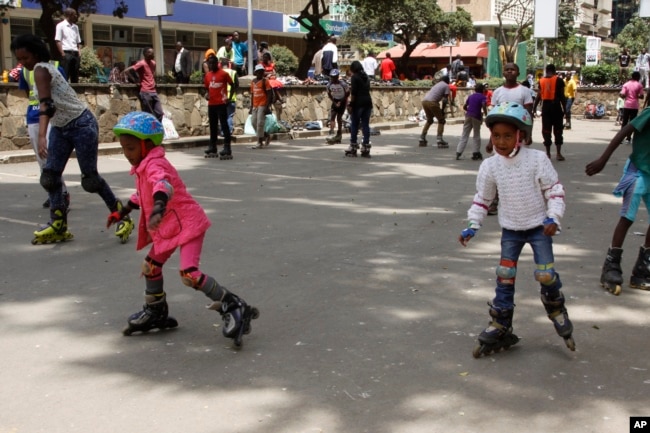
432 50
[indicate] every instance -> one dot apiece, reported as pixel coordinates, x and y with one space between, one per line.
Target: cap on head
143 125
334 73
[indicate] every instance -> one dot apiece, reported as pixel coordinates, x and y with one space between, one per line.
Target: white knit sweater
529 190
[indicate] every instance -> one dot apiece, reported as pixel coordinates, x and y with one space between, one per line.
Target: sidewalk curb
18 156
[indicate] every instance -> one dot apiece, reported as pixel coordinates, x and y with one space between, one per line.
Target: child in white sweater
531 202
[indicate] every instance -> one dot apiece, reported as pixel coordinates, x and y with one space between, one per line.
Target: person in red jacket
170 219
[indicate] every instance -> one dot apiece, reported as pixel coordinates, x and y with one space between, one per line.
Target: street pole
249 42
160 67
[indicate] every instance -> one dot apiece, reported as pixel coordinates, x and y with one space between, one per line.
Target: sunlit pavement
370 308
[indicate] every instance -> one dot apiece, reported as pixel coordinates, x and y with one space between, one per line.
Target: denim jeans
512 242
360 117
230 109
80 135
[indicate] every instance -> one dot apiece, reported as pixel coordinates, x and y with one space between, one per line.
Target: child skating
338 92
531 202
475 107
170 218
634 189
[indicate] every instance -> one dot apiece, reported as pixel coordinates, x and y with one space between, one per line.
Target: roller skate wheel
255 313
614 289
570 343
127 331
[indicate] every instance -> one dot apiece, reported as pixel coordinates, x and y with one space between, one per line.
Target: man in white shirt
330 57
68 40
182 64
370 64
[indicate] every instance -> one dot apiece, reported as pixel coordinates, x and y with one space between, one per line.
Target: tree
634 35
53 9
411 22
514 19
316 35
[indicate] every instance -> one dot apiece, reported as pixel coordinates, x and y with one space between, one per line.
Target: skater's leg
621 230
58 154
464 137
365 124
427 106
155 312
550 284
233 309
83 133
213 119
222 116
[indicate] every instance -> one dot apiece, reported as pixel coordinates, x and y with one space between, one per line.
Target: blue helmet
513 113
142 125
334 73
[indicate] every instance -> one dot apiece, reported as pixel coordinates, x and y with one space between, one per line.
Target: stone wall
188 106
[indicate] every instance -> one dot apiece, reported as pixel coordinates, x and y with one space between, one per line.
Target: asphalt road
370 308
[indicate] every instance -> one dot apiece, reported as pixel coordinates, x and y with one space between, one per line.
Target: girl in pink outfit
170 219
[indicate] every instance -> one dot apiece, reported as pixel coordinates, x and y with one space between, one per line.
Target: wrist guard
50 108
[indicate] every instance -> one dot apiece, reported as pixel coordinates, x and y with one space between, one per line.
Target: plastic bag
168 126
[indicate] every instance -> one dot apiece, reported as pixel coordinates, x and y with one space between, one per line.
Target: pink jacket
184 218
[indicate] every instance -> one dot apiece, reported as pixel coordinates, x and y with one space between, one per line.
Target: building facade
198 24
592 17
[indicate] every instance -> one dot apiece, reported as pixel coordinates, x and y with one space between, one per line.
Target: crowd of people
518 180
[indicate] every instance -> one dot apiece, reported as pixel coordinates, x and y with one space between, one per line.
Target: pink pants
190 255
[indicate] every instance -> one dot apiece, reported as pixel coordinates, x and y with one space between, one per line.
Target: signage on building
155 8
591 57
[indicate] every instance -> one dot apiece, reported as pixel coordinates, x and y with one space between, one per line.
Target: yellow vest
29 77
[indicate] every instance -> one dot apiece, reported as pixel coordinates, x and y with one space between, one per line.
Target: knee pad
91 182
50 180
506 271
151 268
191 277
442 122
546 274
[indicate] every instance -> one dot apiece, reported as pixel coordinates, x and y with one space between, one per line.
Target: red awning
432 50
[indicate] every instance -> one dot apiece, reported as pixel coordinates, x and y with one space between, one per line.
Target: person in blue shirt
241 50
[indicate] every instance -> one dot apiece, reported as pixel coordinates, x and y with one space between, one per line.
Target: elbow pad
50 107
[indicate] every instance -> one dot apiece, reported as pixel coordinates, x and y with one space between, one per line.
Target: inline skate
442 144
211 151
237 316
56 230
611 277
333 139
423 141
640 278
498 335
154 315
124 227
365 150
557 313
352 150
226 152
477 156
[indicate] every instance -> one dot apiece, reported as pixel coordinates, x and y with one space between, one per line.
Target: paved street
370 308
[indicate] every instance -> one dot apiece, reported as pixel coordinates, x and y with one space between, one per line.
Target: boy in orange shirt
262 98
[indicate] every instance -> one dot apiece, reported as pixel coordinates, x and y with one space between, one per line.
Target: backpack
600 111
590 111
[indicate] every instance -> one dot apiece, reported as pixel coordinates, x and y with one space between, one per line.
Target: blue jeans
360 115
512 242
80 135
569 104
230 109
